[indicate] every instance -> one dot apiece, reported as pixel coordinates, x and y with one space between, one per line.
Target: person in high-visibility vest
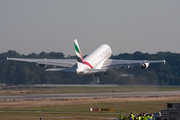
150 117
144 116
139 117
147 117
120 116
132 116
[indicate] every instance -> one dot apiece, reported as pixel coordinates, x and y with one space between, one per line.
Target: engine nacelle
144 66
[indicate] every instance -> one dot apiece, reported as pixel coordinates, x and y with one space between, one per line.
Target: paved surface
91 85
122 94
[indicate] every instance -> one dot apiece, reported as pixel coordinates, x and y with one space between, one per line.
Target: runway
121 94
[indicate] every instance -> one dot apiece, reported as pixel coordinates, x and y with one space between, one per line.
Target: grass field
78 108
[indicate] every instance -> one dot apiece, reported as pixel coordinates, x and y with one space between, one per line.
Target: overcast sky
28 26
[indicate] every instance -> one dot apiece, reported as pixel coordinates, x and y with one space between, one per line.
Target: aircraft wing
55 62
111 63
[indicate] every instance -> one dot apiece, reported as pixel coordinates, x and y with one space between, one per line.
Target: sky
33 26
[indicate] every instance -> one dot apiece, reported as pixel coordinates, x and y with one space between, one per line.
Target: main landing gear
97 77
106 73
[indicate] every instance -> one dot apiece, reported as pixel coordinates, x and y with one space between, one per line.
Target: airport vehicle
96 62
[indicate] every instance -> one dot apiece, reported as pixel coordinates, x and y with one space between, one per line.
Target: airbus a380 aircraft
96 62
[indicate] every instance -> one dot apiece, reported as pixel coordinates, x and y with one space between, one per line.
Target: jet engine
144 66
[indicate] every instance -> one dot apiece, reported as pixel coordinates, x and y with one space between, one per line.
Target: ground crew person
132 116
147 117
144 116
120 116
150 117
139 117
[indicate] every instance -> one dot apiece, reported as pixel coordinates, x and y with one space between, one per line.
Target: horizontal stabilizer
62 69
96 70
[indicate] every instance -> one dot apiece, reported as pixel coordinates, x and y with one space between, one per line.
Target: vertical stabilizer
78 52
81 64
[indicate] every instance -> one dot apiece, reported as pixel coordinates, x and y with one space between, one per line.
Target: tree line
14 72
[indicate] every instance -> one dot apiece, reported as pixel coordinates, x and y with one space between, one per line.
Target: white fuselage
96 59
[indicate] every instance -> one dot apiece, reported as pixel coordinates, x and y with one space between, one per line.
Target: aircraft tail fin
78 52
81 64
